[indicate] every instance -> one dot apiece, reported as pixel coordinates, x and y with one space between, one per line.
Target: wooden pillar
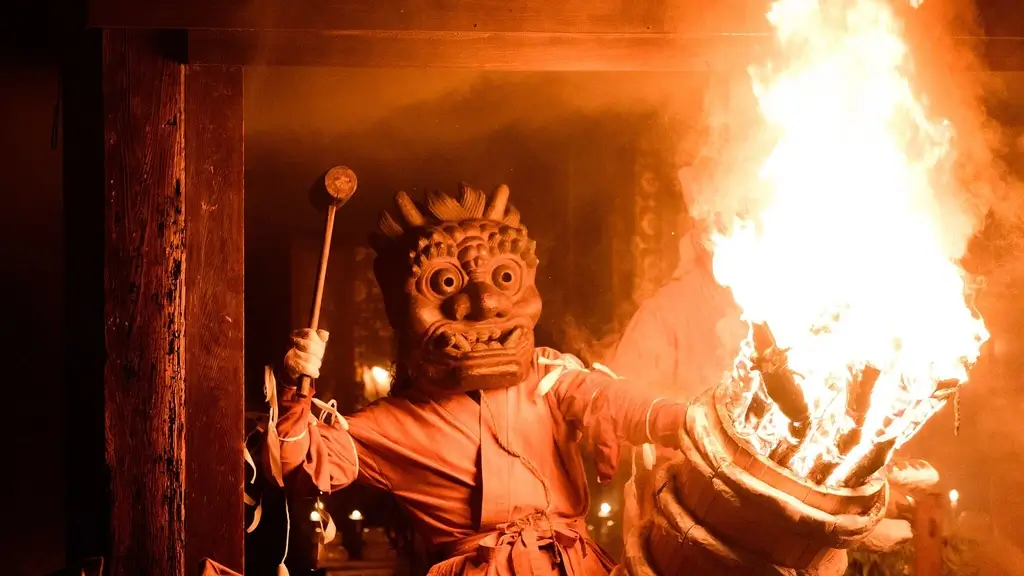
173 273
214 327
144 281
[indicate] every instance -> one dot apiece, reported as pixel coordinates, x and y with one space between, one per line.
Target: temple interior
592 158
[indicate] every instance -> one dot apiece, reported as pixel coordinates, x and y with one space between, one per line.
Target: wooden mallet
340 183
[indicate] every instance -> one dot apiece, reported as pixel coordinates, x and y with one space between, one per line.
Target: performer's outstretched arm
611 410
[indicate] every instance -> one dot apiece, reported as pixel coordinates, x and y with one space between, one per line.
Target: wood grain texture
475 50
144 281
995 18
529 51
577 16
493 34
711 485
214 281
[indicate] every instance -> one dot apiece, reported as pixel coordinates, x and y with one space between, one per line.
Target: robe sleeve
597 399
330 451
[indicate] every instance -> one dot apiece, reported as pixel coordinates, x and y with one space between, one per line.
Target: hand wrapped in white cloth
306 355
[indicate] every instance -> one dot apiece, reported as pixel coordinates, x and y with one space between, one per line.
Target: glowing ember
843 254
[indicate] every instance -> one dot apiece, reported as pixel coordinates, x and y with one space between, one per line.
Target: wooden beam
570 35
575 16
144 167
214 310
510 51
998 18
475 50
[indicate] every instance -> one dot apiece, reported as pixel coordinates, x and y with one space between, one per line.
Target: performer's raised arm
324 446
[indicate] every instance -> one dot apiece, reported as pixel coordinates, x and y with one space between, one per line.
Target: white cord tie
329 409
567 363
294 438
647 420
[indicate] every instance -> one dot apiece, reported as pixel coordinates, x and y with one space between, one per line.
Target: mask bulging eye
506 277
445 281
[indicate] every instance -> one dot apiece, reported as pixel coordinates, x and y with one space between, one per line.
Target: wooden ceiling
493 34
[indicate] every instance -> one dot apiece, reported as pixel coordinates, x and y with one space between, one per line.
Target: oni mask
458 278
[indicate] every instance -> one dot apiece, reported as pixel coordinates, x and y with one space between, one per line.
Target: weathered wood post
172 322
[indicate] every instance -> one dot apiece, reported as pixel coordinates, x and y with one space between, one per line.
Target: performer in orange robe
479 440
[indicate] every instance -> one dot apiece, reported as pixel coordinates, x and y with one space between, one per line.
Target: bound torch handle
340 183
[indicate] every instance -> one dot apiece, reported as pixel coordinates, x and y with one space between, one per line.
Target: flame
381 375
843 252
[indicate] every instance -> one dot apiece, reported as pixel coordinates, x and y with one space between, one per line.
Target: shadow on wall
31 244
403 129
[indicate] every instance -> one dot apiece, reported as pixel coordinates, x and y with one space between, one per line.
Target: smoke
948 43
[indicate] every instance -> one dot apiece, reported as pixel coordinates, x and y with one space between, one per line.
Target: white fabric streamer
326 409
567 363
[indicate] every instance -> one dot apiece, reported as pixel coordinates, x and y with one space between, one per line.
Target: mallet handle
305 382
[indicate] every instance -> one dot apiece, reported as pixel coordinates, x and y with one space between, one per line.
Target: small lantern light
376 382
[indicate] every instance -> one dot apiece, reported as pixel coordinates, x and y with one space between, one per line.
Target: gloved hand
306 354
905 476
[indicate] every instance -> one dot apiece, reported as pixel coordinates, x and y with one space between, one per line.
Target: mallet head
340 183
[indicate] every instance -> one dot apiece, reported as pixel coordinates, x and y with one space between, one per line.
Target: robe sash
530 546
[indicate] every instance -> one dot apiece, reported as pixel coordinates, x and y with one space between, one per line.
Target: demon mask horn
440 207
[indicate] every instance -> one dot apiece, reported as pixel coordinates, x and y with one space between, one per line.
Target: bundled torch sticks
781 387
858 400
773 365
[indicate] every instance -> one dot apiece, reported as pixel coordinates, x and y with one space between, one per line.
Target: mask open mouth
460 340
